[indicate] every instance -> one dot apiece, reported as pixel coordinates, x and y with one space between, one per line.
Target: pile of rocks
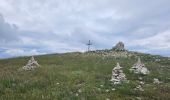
139 68
156 81
119 47
117 75
31 65
140 86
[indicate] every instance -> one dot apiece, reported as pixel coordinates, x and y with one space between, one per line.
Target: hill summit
119 46
86 76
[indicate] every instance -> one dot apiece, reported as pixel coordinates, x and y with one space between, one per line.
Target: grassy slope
76 72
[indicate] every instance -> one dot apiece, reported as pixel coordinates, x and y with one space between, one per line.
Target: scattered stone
139 88
98 89
77 94
42 96
117 75
139 68
157 60
138 98
101 85
107 90
119 47
31 65
140 78
107 99
142 83
80 91
113 89
156 81
162 66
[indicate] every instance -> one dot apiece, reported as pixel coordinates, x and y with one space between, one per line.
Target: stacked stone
31 65
139 68
156 81
119 46
139 88
117 75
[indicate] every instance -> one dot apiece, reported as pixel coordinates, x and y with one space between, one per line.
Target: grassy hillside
76 76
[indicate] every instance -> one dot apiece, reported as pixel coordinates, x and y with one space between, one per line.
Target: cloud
160 41
20 52
64 25
8 32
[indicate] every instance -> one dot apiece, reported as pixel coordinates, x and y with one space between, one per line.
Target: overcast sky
29 27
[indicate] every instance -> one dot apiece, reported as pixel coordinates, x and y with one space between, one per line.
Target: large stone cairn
119 47
139 68
117 75
31 65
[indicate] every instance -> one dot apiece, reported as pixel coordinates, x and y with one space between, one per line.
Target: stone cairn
117 75
140 86
156 81
139 68
31 65
119 47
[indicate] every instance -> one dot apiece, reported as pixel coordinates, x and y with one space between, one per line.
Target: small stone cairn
140 86
31 65
156 81
117 75
139 68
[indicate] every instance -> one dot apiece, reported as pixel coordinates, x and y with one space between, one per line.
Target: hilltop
84 76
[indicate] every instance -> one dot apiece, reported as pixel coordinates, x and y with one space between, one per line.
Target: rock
142 83
77 94
156 81
140 78
157 60
119 47
138 98
107 90
139 68
139 88
117 75
31 65
80 91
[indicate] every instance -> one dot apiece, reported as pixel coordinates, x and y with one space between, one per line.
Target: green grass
62 77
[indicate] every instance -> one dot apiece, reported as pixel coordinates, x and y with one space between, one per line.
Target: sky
35 27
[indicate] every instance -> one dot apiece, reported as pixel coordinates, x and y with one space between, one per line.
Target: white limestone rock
139 68
142 83
138 98
156 81
117 75
31 65
139 88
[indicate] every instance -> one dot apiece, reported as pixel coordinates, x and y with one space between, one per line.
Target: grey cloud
62 25
8 32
